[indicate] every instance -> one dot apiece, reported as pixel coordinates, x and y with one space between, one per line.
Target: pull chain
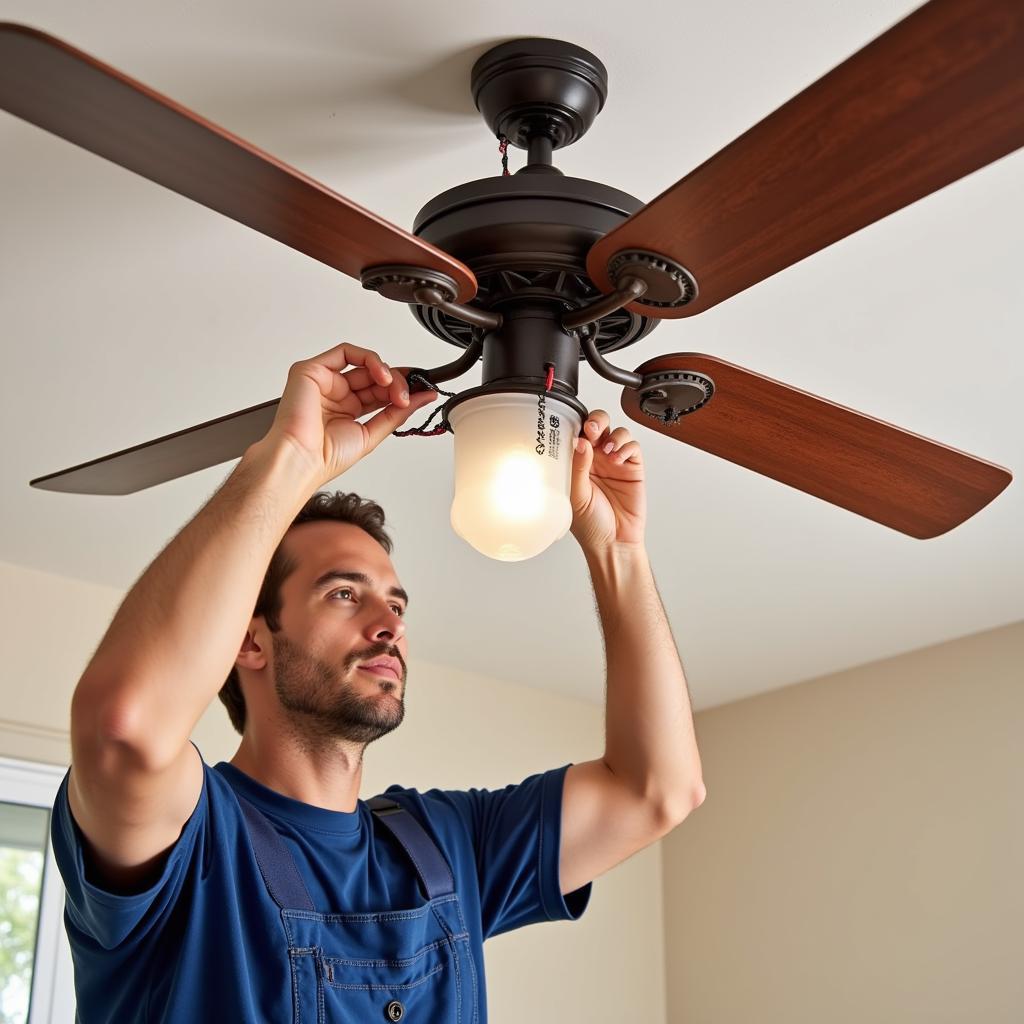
422 431
503 150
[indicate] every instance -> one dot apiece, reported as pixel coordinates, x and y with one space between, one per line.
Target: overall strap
435 874
276 864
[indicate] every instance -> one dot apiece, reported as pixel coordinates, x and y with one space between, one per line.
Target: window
36 974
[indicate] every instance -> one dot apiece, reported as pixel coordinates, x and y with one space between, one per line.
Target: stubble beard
324 705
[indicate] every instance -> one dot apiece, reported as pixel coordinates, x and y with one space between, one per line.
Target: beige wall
859 855
460 730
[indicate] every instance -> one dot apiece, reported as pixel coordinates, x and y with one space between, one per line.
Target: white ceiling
129 312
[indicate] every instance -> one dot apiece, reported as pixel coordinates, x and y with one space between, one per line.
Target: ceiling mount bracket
668 395
669 283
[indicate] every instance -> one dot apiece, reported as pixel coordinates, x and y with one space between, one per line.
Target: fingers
595 430
371 380
326 368
581 489
616 444
629 452
596 426
346 354
398 390
373 395
389 419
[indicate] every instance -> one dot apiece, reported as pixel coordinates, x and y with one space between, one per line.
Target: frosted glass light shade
513 472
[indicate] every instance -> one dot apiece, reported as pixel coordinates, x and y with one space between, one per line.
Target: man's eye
348 590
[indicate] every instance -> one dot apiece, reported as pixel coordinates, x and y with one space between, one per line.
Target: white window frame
52 999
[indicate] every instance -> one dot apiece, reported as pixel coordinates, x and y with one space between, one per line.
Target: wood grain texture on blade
938 96
904 481
167 458
84 101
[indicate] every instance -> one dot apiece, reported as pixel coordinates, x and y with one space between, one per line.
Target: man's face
331 626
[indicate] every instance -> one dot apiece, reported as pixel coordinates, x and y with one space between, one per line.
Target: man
263 889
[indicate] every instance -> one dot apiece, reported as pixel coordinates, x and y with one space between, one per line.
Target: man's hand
609 503
318 411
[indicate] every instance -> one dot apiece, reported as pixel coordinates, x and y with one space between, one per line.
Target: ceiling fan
535 271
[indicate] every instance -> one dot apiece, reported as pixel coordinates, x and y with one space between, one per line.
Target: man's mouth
380 670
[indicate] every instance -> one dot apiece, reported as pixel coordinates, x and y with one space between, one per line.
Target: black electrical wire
422 431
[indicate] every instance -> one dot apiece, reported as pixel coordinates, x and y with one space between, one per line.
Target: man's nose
387 627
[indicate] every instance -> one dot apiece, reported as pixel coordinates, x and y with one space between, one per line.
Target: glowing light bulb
517 488
513 472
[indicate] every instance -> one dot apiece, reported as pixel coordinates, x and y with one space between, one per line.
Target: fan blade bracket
668 283
449 371
482 318
418 286
628 289
400 283
670 394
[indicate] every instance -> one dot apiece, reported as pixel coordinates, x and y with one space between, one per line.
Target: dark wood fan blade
937 96
166 458
917 486
69 93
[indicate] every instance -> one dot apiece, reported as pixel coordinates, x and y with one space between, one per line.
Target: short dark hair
340 507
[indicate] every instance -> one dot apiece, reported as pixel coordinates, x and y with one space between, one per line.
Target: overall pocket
423 987
403 965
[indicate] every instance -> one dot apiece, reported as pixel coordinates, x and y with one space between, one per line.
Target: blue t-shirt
205 942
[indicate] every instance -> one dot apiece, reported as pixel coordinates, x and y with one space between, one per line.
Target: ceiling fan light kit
533 272
512 498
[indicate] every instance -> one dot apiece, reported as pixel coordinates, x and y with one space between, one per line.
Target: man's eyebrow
333 575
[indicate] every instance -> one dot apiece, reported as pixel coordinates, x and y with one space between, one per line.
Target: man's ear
251 654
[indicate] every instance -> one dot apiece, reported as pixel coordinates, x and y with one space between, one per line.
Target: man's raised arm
650 776
135 777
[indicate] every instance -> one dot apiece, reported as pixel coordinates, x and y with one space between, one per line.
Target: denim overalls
414 965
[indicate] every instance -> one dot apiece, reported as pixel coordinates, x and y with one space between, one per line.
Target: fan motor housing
528 235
